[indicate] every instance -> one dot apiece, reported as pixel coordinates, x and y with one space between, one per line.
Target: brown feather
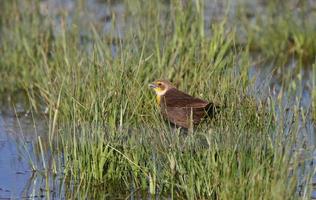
179 108
176 98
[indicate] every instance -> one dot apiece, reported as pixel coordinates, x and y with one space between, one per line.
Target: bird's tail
212 109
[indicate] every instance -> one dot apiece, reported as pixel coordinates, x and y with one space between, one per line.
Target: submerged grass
104 126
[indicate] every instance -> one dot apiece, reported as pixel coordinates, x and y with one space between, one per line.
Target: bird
179 108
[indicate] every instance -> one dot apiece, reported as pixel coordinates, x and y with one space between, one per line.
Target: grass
104 126
282 31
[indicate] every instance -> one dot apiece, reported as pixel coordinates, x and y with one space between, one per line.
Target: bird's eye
159 84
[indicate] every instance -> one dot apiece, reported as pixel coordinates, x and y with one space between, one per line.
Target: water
19 129
21 171
268 85
17 172
16 175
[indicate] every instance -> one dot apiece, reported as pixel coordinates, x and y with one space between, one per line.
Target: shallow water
19 132
15 173
21 169
267 85
19 129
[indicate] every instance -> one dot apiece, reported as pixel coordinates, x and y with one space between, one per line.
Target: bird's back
181 108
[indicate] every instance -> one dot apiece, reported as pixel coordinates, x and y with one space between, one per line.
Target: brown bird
180 108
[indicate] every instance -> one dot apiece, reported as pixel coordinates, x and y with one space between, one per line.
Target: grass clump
104 126
283 31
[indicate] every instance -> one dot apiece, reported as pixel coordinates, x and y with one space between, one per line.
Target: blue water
14 171
17 178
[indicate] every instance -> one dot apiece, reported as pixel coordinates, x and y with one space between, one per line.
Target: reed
105 131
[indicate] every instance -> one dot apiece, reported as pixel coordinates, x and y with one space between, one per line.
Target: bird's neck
158 98
160 95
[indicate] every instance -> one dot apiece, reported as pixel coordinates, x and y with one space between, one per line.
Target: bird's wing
180 108
176 98
183 115
177 116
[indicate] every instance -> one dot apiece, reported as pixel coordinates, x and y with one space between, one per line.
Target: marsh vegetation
84 67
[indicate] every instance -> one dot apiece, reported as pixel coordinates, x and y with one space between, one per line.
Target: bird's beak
153 86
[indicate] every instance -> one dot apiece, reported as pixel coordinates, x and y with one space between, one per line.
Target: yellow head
161 86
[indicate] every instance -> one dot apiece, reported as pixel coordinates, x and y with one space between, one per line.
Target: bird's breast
158 98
